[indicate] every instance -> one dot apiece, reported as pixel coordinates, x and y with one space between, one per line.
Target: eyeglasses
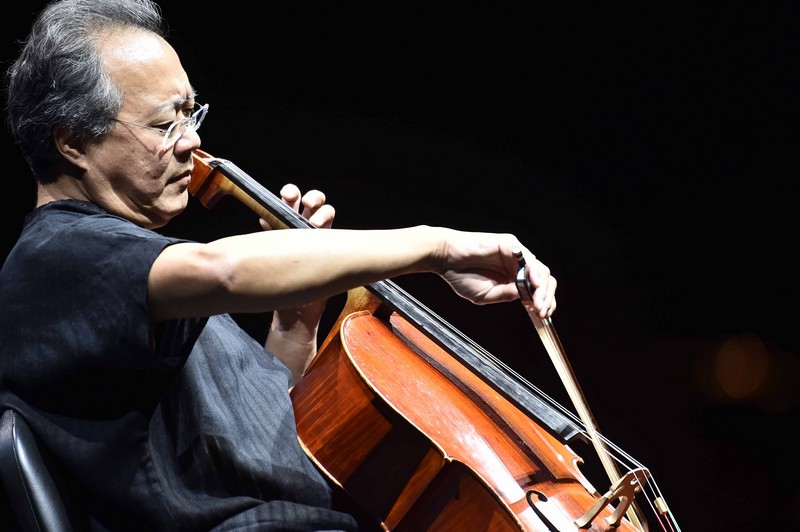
175 131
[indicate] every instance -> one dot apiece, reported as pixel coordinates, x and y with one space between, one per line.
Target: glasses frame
193 121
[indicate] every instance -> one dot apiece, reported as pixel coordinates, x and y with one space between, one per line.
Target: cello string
620 456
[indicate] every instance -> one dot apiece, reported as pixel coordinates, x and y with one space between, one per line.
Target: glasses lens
199 115
174 132
177 129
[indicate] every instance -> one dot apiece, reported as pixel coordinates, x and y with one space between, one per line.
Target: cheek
126 160
151 170
142 168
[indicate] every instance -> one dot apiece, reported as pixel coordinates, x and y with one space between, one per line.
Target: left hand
313 208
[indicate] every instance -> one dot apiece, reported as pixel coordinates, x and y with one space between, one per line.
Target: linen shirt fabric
183 425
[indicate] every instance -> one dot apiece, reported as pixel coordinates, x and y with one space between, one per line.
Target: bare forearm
283 269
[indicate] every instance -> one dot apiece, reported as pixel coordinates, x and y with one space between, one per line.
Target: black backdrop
642 152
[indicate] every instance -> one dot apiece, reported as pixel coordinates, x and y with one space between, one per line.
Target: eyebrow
192 96
183 101
177 104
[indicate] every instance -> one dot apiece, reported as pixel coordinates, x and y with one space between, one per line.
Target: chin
167 210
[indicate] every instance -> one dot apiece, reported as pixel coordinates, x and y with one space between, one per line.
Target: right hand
481 267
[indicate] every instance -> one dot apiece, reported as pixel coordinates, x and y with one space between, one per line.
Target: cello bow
623 487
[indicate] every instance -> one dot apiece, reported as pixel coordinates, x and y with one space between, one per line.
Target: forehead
145 67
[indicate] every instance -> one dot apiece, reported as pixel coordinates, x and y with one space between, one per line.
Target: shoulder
72 220
72 233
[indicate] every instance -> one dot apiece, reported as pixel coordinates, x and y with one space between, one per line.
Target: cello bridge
624 490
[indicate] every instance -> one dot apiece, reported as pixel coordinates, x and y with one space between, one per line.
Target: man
118 347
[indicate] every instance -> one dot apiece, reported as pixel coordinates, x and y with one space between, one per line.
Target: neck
62 189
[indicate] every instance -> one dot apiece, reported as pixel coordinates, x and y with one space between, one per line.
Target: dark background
644 153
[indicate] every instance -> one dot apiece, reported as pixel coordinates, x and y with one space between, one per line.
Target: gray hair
59 78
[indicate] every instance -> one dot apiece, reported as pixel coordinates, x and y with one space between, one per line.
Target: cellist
118 347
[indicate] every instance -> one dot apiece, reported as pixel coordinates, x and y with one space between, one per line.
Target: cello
425 430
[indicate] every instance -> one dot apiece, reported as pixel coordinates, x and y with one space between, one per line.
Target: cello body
424 444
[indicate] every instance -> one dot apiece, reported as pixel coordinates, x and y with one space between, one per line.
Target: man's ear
71 146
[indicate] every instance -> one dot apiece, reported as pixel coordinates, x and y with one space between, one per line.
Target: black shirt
183 426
